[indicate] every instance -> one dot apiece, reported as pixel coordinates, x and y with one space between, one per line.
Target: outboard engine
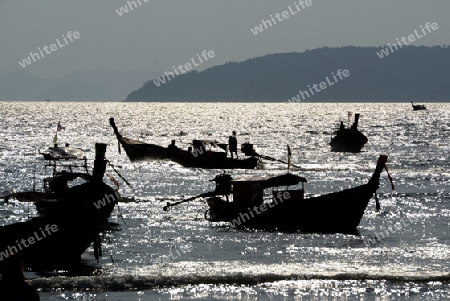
247 149
223 184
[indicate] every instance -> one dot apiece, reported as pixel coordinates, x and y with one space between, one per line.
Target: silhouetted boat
348 140
200 156
338 212
70 218
418 107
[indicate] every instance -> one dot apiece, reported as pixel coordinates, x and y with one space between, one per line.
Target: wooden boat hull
225 163
348 141
338 212
78 224
418 107
140 151
71 219
208 160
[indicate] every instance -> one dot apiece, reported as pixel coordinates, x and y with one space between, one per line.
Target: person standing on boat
13 286
232 143
172 146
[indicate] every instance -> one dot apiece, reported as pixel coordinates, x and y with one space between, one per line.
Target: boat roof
63 153
274 181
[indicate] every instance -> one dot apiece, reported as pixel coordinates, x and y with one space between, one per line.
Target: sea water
401 253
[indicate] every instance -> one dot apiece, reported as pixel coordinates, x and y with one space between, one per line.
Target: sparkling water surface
177 255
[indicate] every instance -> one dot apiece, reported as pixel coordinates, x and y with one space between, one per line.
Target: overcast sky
162 33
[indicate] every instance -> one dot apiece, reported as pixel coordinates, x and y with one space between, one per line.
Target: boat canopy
274 181
64 153
213 143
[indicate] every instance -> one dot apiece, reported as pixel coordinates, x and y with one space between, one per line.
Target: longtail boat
200 155
70 218
418 107
241 202
348 139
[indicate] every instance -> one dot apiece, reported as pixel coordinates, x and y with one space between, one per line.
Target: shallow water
179 255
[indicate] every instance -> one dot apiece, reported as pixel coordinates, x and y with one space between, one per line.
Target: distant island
376 74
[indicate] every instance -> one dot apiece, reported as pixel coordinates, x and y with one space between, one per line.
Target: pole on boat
206 194
99 162
375 179
377 203
355 124
113 124
289 157
116 131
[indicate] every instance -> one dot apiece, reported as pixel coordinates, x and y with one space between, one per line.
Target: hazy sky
161 33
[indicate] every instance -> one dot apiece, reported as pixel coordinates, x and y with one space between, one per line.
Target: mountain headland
373 74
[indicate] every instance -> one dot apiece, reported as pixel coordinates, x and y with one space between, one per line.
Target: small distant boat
418 107
71 217
288 209
66 152
199 156
348 139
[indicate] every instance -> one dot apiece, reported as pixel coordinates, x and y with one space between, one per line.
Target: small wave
127 282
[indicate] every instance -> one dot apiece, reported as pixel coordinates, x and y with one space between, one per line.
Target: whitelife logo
49 49
108 199
188 67
172 257
265 24
124 9
243 217
406 41
404 222
25 243
302 95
